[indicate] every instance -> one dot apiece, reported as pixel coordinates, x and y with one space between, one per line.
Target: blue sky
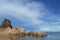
33 15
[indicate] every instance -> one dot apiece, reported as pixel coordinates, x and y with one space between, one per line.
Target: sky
33 15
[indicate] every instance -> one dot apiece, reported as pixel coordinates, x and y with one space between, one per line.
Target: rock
14 31
17 31
27 33
7 28
1 29
39 34
6 23
0 26
21 30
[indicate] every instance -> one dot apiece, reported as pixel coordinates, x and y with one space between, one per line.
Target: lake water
51 36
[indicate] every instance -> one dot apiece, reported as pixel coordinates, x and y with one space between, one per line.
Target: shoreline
7 29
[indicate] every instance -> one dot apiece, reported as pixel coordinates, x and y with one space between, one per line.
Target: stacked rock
6 23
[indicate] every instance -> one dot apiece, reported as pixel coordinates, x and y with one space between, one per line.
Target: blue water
51 36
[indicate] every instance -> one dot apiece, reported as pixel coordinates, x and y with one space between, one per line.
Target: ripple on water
52 37
30 38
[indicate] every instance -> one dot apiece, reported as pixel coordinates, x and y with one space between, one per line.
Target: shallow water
30 38
51 36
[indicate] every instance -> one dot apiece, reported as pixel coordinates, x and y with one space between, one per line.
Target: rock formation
6 23
7 28
21 30
27 33
39 34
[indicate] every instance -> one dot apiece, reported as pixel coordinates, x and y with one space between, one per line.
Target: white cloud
30 12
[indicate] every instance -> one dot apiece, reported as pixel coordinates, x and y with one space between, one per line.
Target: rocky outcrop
27 33
21 30
6 23
7 28
39 34
16 30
